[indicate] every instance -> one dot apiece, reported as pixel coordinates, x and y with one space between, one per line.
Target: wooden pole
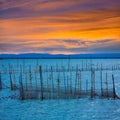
36 80
51 86
41 83
0 82
52 80
70 83
22 88
14 85
106 85
58 85
30 74
26 81
80 83
49 82
91 83
64 81
94 81
69 63
67 87
23 65
101 83
82 64
10 73
86 86
114 93
76 78
47 86
57 68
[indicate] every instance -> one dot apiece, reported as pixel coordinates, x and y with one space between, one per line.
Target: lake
76 108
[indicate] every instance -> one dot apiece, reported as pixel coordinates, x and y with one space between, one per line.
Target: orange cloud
57 21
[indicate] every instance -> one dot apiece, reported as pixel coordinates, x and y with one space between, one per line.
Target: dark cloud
9 11
107 46
28 8
88 42
75 41
105 41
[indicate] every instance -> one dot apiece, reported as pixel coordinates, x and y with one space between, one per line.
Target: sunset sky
59 26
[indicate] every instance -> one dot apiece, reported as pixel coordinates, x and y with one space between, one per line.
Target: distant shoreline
51 58
60 56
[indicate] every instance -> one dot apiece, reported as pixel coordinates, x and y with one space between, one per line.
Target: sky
59 26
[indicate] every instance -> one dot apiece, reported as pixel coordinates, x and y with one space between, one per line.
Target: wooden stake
47 86
86 86
82 65
22 88
26 81
58 85
11 84
70 83
114 93
67 87
41 83
91 83
64 81
94 81
101 83
76 78
36 80
106 85
80 83
68 63
52 79
30 82
14 85
0 82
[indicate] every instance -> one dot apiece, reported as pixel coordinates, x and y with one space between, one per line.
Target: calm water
69 109
82 109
